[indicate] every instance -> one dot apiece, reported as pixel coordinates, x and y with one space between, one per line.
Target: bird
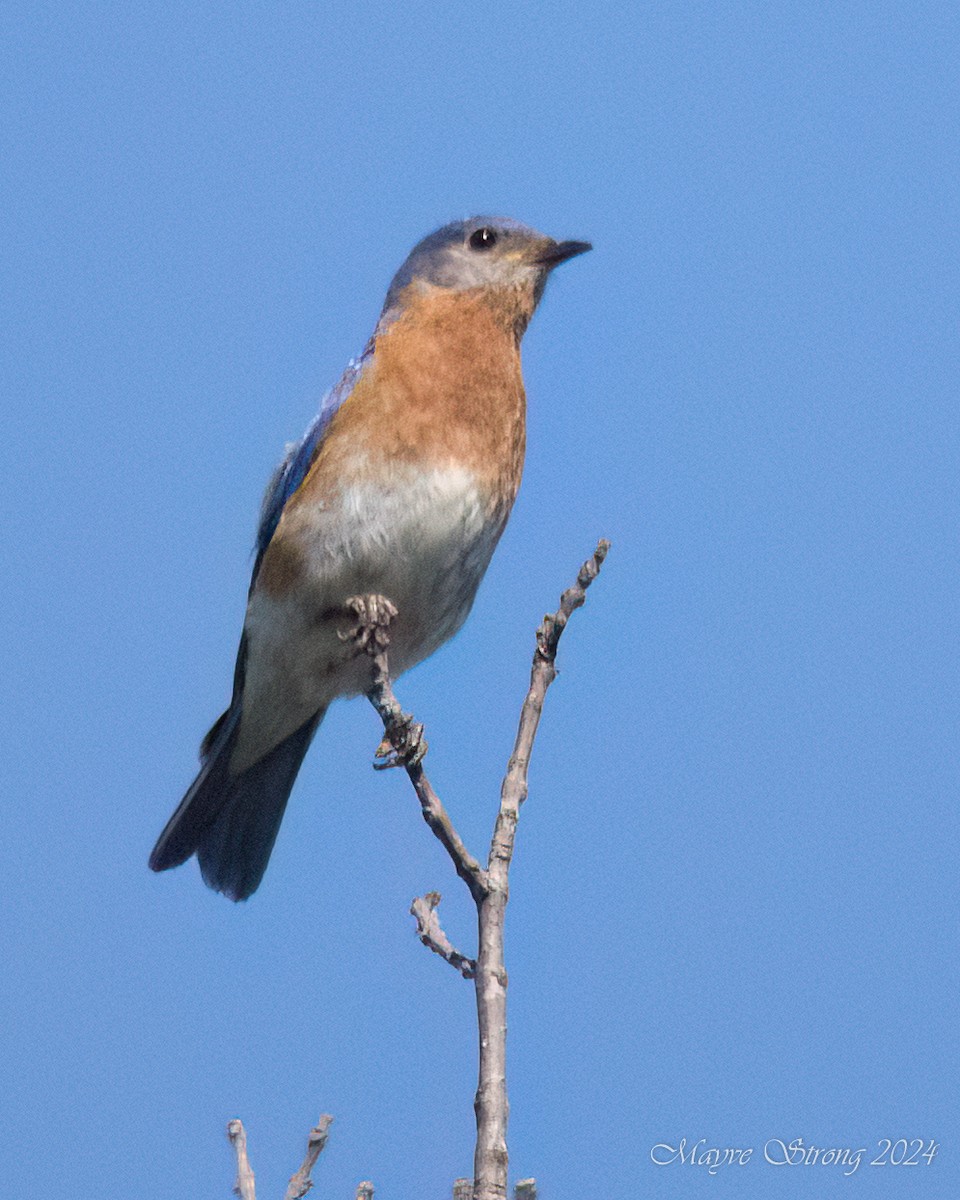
400 487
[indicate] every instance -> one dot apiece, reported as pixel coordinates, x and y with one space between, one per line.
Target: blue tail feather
231 821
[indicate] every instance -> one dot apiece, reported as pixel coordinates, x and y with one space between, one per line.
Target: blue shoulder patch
293 470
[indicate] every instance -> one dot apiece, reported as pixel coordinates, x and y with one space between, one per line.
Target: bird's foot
403 744
370 634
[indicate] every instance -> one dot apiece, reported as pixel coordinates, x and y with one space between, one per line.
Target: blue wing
293 470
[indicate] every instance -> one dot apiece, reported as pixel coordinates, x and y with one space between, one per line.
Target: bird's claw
403 744
371 631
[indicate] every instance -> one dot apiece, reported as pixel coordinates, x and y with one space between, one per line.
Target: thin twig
245 1186
430 932
301 1183
542 674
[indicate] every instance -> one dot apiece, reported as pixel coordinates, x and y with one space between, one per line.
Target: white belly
424 542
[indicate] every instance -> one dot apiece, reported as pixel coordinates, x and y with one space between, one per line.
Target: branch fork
300 1182
403 745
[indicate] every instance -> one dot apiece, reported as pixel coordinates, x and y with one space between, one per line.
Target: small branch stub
365 1190
301 1183
245 1187
430 932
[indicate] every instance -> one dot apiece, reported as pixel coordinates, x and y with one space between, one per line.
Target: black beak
559 252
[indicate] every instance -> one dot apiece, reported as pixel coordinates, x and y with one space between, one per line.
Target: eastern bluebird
401 486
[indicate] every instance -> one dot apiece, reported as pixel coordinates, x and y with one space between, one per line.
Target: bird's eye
483 239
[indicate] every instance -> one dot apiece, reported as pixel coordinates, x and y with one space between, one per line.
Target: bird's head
491 253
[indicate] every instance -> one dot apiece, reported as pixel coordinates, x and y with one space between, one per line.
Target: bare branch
301 1183
491 1104
245 1187
404 745
542 674
429 931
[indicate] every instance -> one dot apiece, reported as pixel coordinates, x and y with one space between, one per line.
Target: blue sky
735 907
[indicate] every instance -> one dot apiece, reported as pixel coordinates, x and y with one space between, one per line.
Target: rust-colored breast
444 387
